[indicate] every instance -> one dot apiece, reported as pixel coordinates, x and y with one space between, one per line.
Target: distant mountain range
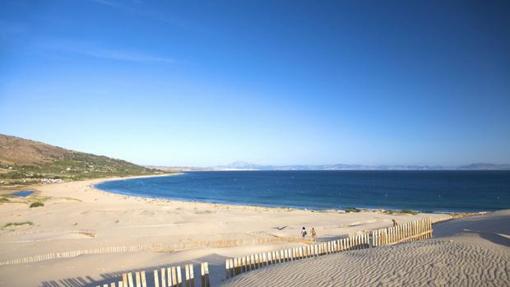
240 165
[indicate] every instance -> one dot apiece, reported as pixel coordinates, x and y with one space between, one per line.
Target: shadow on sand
494 228
216 274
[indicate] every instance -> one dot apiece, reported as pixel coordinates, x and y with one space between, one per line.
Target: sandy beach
465 252
76 216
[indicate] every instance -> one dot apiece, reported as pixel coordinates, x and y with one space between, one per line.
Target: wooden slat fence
172 276
410 231
175 276
154 247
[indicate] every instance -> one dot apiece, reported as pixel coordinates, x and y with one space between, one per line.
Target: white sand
466 252
78 217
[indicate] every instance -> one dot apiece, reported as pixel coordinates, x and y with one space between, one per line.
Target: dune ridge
466 252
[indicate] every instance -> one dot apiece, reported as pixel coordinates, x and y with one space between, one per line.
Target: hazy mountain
239 165
485 166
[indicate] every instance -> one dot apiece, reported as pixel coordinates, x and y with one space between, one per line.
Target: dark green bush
36 204
352 209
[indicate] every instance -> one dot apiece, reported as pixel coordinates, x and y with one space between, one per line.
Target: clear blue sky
272 82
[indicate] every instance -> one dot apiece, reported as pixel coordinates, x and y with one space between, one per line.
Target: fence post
169 276
246 263
144 280
156 279
247 266
227 268
138 279
130 279
235 265
242 264
430 226
204 274
163 277
252 262
179 276
190 276
173 275
415 229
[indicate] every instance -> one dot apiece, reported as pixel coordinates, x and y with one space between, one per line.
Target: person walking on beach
394 222
303 232
314 235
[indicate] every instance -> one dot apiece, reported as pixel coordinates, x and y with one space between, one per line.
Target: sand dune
466 252
76 216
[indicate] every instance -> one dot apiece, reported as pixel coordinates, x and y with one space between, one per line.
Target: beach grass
36 204
352 209
402 211
14 224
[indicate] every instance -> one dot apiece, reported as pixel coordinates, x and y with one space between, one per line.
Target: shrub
409 211
402 211
18 223
36 204
352 209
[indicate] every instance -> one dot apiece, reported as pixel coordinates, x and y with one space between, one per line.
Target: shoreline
456 214
77 216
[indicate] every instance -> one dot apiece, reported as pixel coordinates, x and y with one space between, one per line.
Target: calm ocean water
417 190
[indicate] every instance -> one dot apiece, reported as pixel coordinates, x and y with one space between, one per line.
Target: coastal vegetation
36 204
24 162
14 224
402 211
352 209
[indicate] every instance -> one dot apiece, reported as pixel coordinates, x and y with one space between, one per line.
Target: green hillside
27 162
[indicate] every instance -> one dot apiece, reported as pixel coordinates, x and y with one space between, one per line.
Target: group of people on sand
304 233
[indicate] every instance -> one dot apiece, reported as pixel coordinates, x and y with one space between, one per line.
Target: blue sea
431 191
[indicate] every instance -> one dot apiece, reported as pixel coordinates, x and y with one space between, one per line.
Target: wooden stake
179 276
124 280
204 274
156 278
138 279
144 280
163 277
